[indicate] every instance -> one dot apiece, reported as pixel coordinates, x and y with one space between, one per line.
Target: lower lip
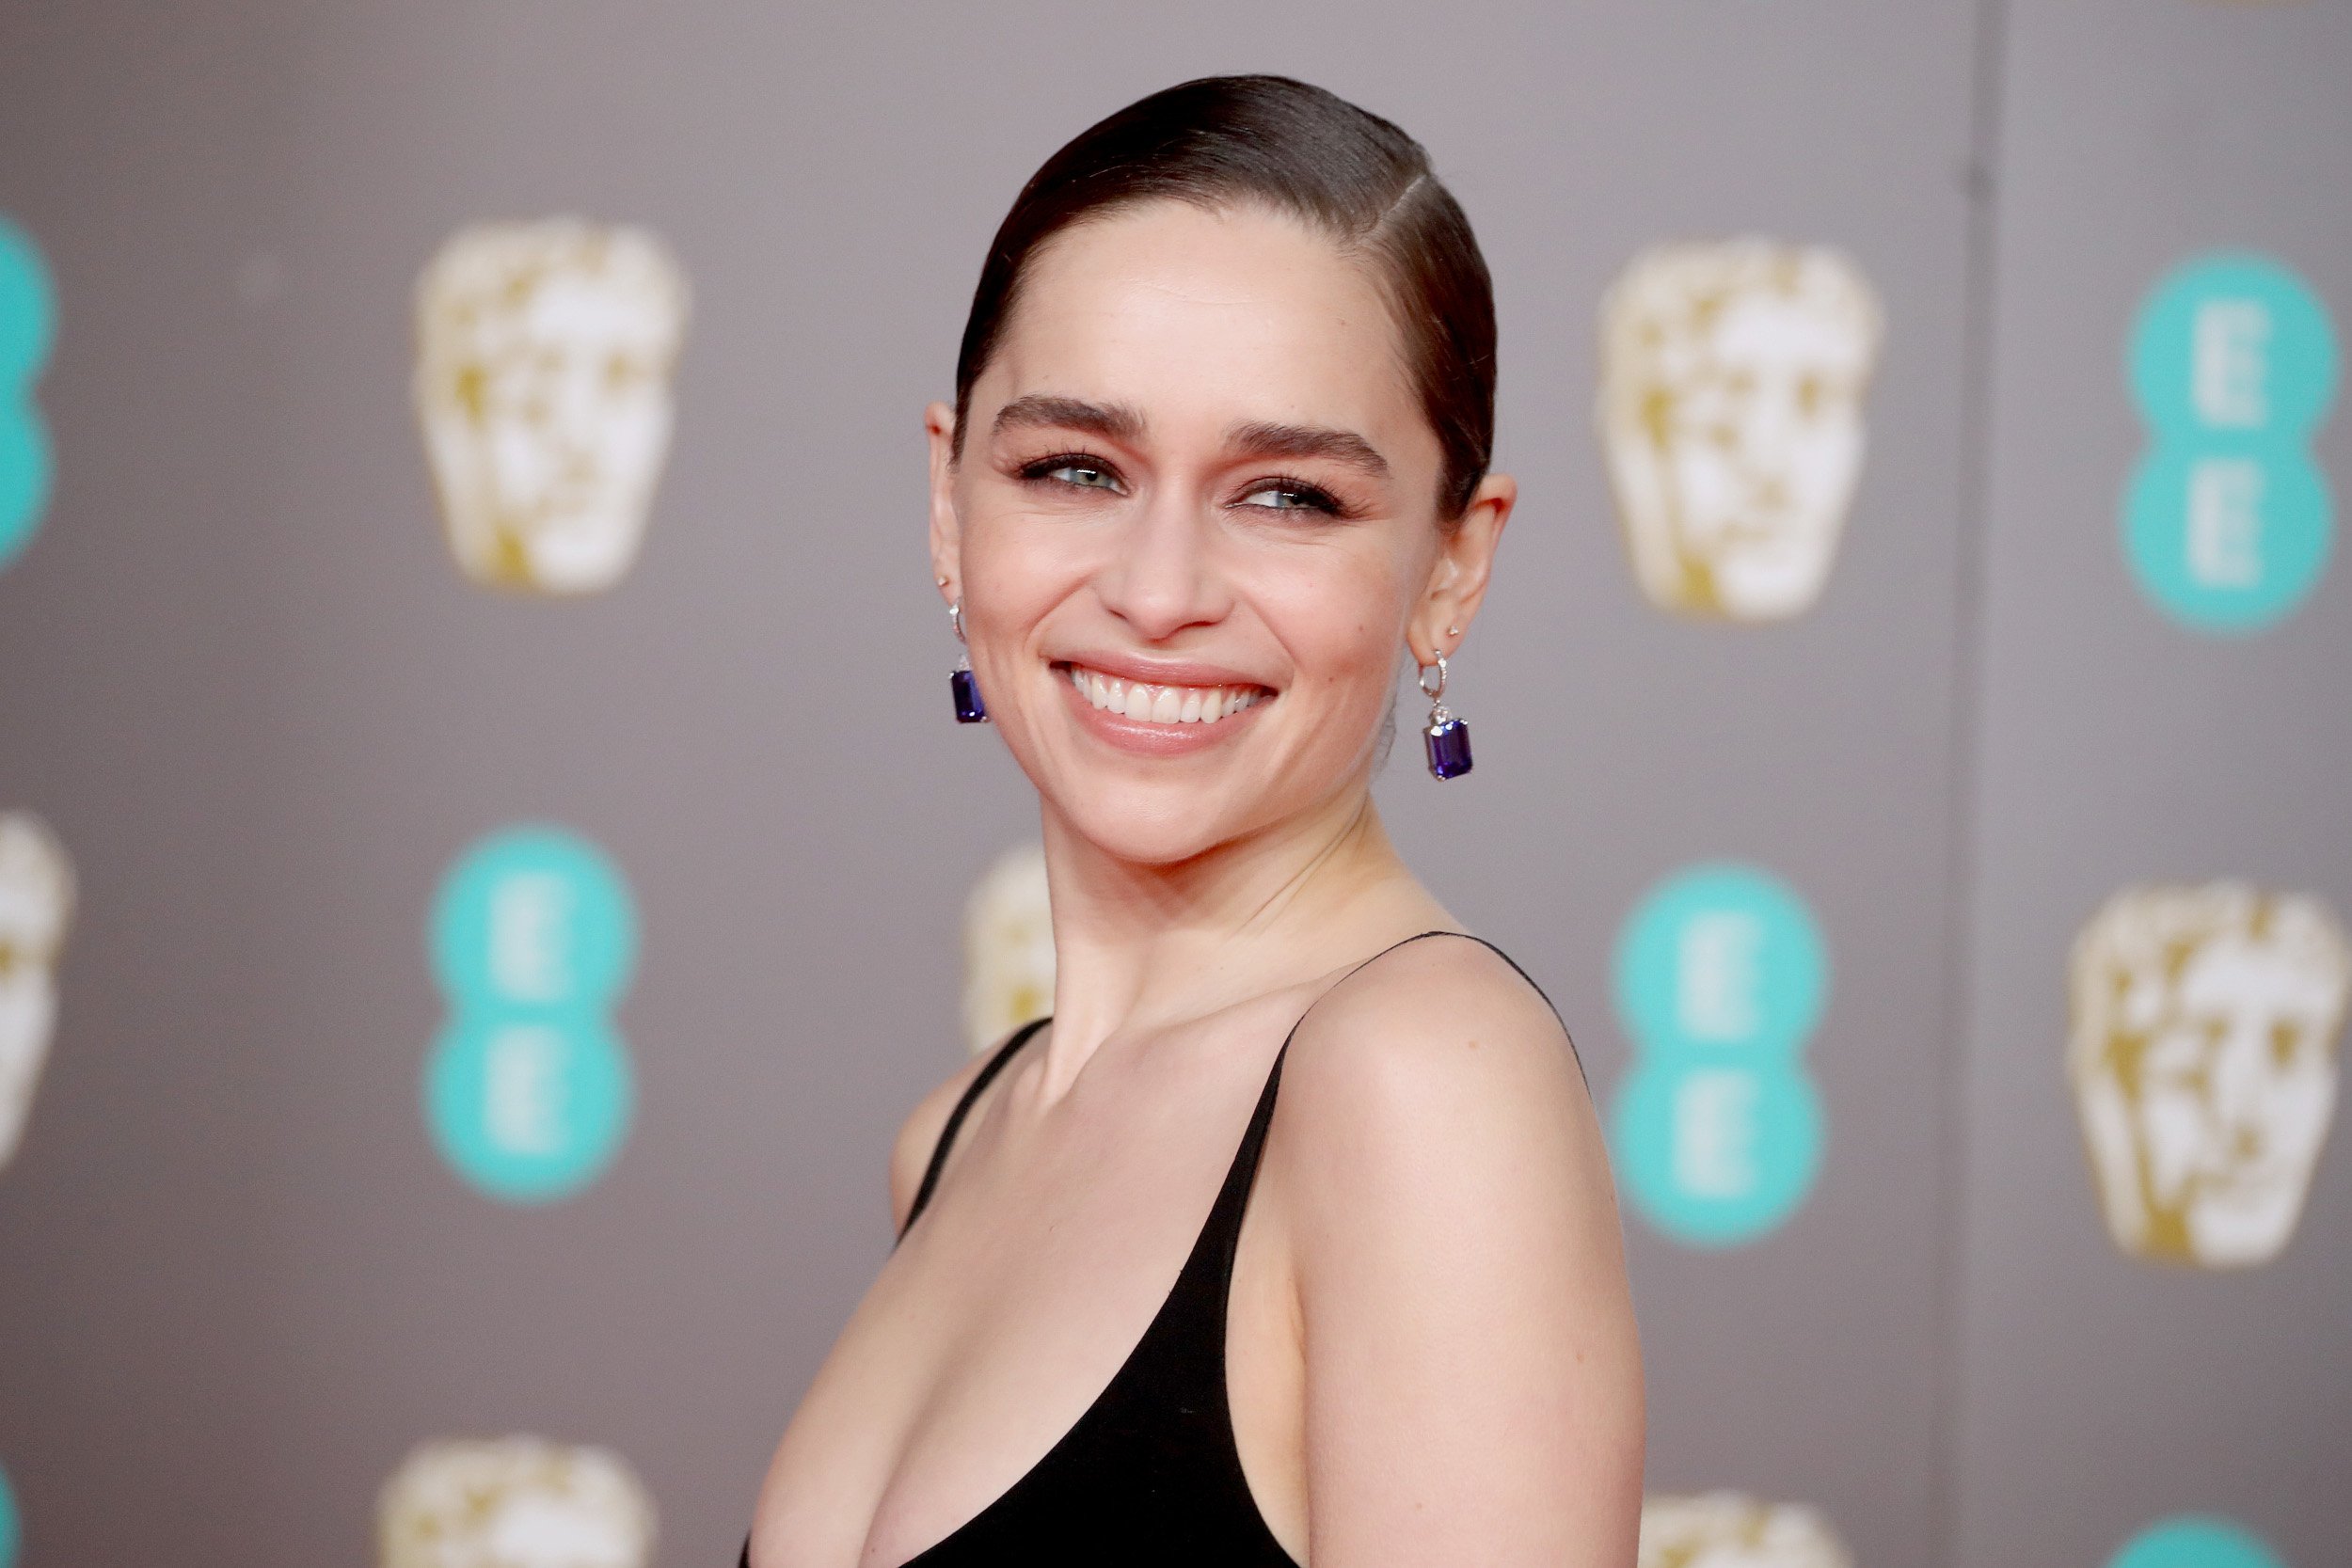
1148 739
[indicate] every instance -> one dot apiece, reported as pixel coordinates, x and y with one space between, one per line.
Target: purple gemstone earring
1447 738
966 691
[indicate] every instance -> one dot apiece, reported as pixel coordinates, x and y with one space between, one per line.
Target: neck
1138 947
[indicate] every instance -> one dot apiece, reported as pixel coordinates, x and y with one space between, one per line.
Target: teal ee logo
2193 1541
1721 978
528 1090
28 321
11 1534
2226 518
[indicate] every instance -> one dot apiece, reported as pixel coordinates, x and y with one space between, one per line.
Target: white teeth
1161 705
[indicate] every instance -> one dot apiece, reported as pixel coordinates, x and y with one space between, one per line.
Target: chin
1149 834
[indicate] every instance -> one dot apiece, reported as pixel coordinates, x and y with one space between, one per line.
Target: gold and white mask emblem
514 1502
2207 1022
1730 1529
1732 377
36 904
1008 948
544 360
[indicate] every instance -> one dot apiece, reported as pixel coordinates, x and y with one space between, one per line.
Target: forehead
1219 316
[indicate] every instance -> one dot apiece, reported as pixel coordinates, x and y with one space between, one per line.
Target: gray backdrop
241 677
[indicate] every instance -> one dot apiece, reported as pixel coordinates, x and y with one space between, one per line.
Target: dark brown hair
1221 141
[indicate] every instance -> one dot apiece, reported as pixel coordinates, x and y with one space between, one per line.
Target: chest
1066 1274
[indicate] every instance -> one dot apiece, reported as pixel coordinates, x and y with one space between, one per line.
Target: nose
1163 575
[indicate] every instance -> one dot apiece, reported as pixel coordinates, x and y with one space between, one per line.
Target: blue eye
1075 469
1290 496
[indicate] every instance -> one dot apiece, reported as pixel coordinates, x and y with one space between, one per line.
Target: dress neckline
1231 1191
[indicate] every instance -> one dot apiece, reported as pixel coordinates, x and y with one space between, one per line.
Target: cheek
1015 569
1341 621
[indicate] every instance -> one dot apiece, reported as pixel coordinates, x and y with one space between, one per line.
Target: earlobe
946 567
1464 564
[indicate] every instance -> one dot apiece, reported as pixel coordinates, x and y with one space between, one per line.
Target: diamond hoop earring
1447 738
966 691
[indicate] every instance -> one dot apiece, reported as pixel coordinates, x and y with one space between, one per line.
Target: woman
1217 461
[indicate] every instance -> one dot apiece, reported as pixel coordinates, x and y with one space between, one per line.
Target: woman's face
1194 527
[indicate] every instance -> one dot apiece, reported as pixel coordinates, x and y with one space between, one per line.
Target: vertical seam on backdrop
1979 314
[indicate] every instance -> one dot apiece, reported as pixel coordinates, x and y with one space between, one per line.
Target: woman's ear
939 424
1458 577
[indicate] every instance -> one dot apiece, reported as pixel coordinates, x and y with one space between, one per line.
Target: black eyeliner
1038 469
1319 499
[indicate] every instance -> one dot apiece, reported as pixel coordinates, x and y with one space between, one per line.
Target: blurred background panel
279 692
2118 746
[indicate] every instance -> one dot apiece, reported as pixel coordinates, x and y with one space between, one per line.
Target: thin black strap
1020 1037
1574 1055
1253 1140
1245 1167
955 1118
1207 1272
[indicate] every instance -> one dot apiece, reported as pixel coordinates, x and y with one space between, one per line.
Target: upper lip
1154 672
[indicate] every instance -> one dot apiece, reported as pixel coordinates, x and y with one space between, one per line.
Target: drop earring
966 691
1446 736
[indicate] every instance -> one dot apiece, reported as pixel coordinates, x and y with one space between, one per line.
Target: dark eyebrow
1112 421
1292 440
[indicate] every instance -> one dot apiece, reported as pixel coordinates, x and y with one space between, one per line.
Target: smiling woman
1217 462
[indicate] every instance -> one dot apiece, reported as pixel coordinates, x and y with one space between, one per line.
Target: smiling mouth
1161 705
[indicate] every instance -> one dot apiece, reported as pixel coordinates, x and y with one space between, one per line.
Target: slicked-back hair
1221 142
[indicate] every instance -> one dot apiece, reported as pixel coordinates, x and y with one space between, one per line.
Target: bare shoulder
1443 1016
1459 1272
919 1134
1437 1078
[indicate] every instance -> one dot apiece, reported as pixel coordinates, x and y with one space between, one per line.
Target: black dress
1149 1474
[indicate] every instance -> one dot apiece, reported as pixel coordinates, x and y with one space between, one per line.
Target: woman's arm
1473 1381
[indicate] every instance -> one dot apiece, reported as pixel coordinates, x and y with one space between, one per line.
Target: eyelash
1041 471
1312 498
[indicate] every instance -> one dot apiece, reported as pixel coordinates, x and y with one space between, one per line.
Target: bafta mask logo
514 1502
2203 1050
1729 1530
1732 378
1008 948
36 903
544 360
